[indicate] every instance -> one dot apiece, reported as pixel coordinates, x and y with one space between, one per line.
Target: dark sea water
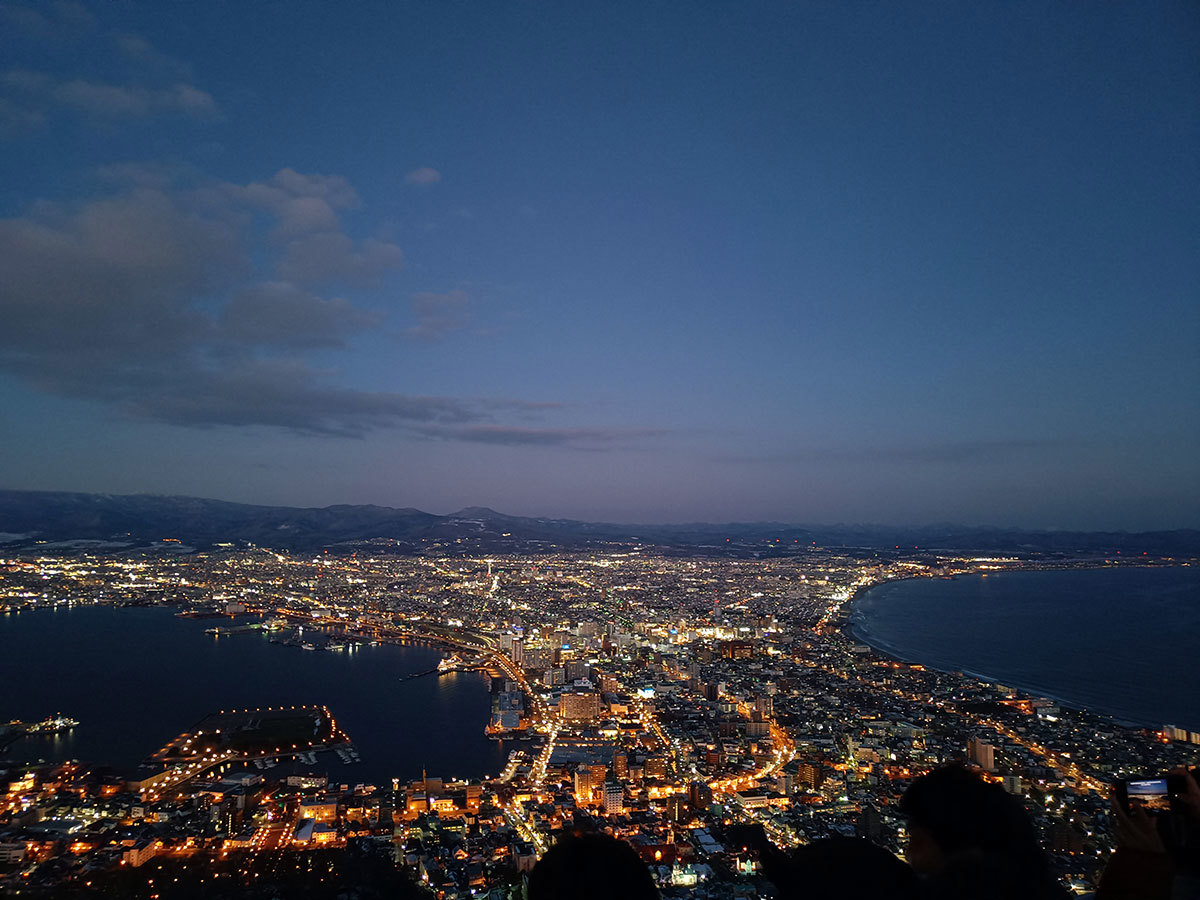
1123 641
136 677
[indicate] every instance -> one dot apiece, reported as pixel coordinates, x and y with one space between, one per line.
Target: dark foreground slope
37 518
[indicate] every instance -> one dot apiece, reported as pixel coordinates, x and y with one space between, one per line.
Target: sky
639 262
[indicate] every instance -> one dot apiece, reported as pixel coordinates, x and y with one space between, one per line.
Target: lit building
737 649
810 775
620 765
579 706
614 797
584 784
700 796
981 754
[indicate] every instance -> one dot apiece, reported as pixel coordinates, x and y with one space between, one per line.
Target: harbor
195 672
15 730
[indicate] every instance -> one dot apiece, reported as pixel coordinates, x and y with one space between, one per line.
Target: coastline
851 629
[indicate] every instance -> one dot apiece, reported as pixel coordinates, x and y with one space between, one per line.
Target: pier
247 736
12 731
448 665
235 629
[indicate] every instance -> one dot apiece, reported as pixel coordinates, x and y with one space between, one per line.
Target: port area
451 664
233 737
244 736
236 629
11 731
256 733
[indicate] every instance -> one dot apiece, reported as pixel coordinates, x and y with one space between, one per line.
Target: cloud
179 299
581 438
137 49
38 92
154 299
952 452
423 176
278 313
332 257
439 314
156 83
287 394
52 19
109 276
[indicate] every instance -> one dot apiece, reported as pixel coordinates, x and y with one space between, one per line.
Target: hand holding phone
1150 795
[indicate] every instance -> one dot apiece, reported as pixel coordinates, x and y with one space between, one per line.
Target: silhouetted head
845 868
591 867
965 830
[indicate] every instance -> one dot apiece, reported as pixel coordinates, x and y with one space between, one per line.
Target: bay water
1119 640
137 676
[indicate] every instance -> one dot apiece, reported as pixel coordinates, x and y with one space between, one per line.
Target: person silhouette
970 838
591 867
842 867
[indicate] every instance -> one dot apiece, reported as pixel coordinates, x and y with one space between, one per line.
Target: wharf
11 731
235 629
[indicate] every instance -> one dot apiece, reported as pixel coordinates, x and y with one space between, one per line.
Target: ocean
135 677
1122 641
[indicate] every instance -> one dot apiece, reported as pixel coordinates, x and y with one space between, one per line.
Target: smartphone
1151 795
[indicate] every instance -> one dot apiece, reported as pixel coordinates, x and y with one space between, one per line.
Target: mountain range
60 520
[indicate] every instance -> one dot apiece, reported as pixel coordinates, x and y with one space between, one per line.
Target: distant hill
57 520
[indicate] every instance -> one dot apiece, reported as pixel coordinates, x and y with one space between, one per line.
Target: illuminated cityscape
666 450
662 699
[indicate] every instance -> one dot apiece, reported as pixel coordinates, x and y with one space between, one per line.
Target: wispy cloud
423 177
580 438
39 93
948 452
153 83
49 19
137 49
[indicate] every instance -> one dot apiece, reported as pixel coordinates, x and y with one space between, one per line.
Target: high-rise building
700 796
656 767
810 775
981 754
587 629
677 808
736 649
518 651
614 797
579 706
620 765
869 824
584 785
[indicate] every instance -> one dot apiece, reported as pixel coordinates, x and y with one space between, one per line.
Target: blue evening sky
810 262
